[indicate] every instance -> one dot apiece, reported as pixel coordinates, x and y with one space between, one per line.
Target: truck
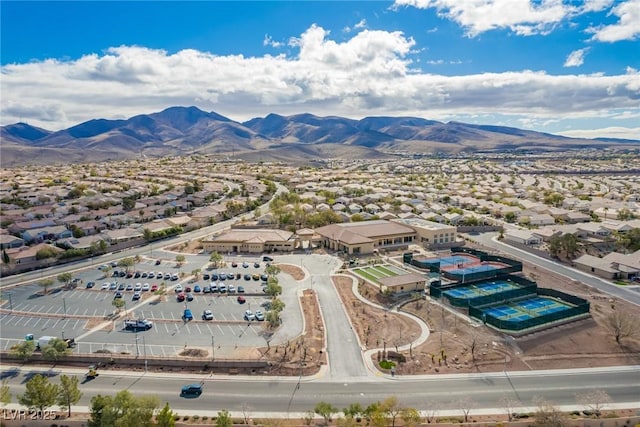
46 339
137 325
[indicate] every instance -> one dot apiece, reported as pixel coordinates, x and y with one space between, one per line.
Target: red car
187 289
241 299
181 297
154 287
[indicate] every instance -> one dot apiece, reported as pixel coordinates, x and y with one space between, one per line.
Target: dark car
241 299
117 295
256 264
136 275
193 390
123 273
267 259
197 288
158 262
115 274
189 297
214 276
247 277
205 277
234 264
121 286
90 285
240 289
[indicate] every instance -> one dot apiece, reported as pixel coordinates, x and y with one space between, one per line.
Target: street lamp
64 306
137 347
144 348
213 348
10 302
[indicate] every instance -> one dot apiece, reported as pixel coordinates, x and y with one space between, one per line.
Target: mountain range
297 138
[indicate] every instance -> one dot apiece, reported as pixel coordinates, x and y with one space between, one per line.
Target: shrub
387 364
185 418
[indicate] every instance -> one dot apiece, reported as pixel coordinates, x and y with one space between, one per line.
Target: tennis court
480 289
373 273
453 260
527 309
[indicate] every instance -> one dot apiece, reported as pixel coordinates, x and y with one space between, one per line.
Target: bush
196 417
185 418
387 364
176 417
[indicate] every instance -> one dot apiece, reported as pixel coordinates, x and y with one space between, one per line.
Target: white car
222 288
146 287
178 289
248 315
138 287
207 315
105 285
231 289
259 315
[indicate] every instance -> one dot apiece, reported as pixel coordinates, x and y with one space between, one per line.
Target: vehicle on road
191 390
207 315
267 259
249 316
138 325
93 373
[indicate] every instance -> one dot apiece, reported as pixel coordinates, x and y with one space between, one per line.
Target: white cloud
358 26
523 17
627 27
576 58
369 74
608 132
269 41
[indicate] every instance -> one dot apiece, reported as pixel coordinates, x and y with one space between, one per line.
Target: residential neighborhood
64 212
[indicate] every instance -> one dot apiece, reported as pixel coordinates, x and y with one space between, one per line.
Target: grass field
373 273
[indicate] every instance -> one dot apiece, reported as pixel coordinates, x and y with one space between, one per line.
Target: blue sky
557 66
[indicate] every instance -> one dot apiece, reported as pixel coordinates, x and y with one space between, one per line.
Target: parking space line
28 320
76 324
37 321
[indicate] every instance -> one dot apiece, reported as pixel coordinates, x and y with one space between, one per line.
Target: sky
557 66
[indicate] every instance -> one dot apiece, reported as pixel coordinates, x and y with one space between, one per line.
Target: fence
580 308
527 288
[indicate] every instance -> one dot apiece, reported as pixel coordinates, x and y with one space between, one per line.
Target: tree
623 325
272 270
136 260
45 284
215 258
65 278
273 289
595 401
325 410
224 419
5 393
39 393
392 408
431 411
509 405
55 349
69 393
354 410
122 410
410 416
465 404
118 303
547 415
166 417
277 305
180 259
24 350
126 263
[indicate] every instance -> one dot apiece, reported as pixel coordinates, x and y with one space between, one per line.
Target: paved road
627 293
283 395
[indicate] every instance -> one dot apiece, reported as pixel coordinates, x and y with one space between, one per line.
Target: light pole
213 348
144 349
64 306
137 347
10 302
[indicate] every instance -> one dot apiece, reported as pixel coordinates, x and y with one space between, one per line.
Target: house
431 234
522 237
29 254
612 266
539 219
7 241
47 233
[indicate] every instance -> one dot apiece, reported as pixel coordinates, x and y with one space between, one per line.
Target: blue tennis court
451 260
479 289
527 309
475 269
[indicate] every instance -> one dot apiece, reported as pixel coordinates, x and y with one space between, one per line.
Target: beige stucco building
251 241
365 237
431 234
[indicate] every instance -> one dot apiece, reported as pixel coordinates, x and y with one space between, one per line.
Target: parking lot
76 313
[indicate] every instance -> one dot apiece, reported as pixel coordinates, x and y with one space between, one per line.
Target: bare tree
245 413
465 404
595 400
509 405
623 325
547 415
431 410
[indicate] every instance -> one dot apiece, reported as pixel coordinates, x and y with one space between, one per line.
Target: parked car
241 289
129 287
138 287
214 276
207 315
206 289
181 297
259 315
187 315
249 316
136 275
231 289
241 299
245 265
197 288
255 276
154 287
214 287
247 277
234 264
146 287
187 289
123 274
117 295
137 295
264 277
222 288
113 286
105 286
151 275
189 297
256 264
158 262
121 286
178 288
267 259
222 276
144 275
90 285
205 277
